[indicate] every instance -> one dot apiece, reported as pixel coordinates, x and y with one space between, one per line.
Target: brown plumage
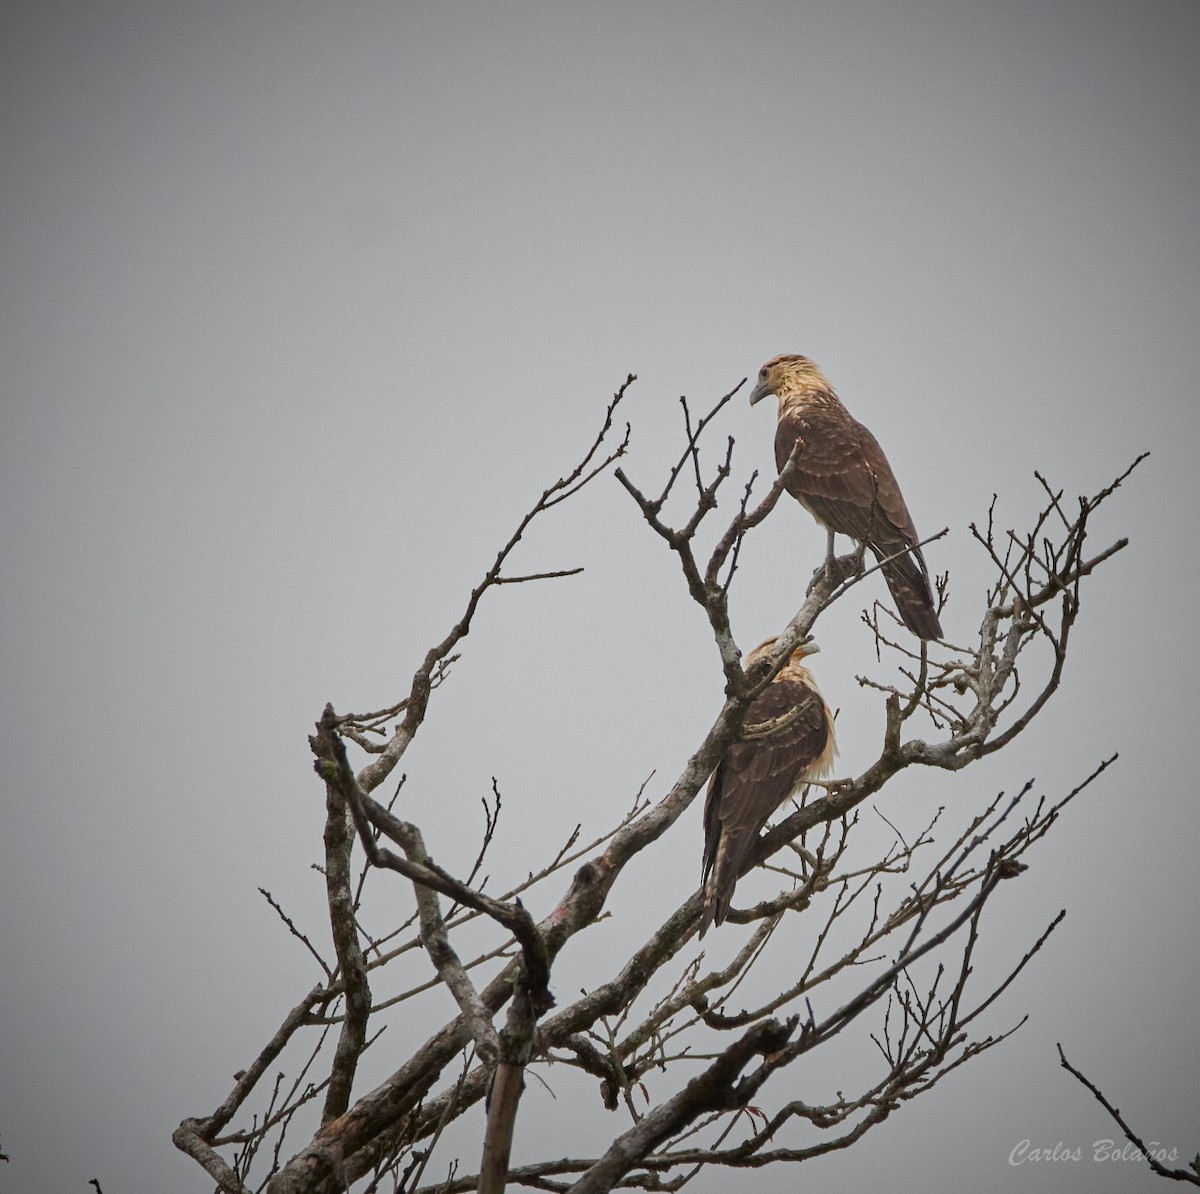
843 479
787 741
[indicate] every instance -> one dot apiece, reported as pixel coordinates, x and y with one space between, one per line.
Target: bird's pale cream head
788 373
799 652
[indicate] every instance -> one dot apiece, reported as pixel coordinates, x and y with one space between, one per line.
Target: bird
787 741
843 479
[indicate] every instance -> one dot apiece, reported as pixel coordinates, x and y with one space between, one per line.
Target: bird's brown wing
753 779
842 477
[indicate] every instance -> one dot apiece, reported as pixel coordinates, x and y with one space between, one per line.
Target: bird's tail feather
720 881
908 580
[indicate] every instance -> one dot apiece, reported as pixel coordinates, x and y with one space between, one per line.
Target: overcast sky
304 304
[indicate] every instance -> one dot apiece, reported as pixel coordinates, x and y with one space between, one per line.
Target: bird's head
789 373
799 652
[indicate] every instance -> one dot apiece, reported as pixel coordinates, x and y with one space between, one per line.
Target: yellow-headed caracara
787 741
842 478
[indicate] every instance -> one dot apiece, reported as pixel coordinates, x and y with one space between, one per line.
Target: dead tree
888 940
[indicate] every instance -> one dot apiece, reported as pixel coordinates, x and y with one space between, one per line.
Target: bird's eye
762 373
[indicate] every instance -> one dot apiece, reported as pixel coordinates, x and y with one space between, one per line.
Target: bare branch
520 580
1151 1158
416 703
339 839
295 932
333 765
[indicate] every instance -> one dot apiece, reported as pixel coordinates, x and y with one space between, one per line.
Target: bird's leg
827 570
836 570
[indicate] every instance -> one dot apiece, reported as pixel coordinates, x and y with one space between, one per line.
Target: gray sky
304 304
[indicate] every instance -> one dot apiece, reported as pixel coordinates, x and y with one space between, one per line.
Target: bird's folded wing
843 477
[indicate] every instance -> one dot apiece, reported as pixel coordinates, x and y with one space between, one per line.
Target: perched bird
842 478
787 741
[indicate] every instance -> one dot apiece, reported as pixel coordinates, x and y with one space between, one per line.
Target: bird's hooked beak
807 647
760 391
